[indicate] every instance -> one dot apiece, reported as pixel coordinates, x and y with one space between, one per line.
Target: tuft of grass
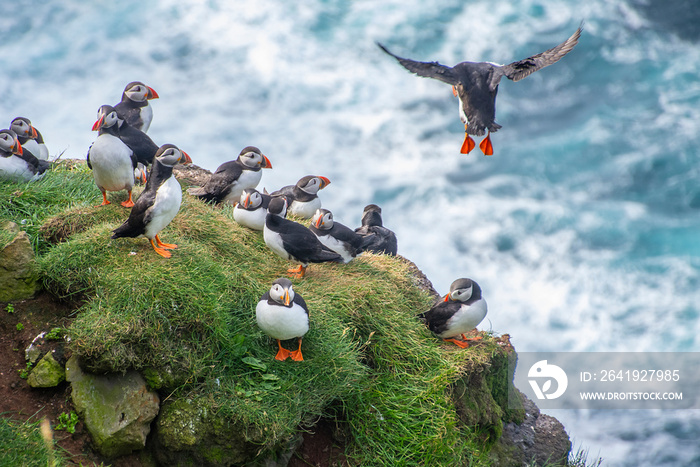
21 443
366 356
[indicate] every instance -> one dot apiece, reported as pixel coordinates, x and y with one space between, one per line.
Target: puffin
30 138
251 209
282 314
377 238
459 312
293 241
134 106
230 179
16 163
337 237
476 84
139 142
302 198
158 203
112 162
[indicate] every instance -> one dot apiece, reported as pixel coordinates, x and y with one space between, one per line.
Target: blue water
582 229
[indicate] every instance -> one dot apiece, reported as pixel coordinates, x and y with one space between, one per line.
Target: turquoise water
582 229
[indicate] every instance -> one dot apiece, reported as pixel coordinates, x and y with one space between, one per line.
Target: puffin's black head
462 290
251 199
372 215
9 144
323 219
106 117
139 92
282 292
169 155
251 157
277 206
312 183
23 126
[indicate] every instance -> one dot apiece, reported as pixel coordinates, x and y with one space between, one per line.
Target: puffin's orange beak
152 94
454 91
188 159
34 133
286 297
17 149
447 298
246 201
98 123
266 164
324 182
319 222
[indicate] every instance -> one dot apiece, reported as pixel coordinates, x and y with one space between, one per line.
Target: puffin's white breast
335 245
280 322
111 163
146 117
14 168
466 319
252 219
165 207
248 179
40 151
305 209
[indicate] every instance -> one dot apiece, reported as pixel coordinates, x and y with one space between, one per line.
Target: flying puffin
30 138
377 238
476 85
302 198
460 312
134 106
251 209
17 164
293 241
231 178
282 314
335 235
112 162
158 203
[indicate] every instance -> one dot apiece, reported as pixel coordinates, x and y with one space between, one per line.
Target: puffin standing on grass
461 311
476 86
251 209
231 178
17 164
293 241
302 198
112 162
30 138
335 235
134 106
158 203
282 314
377 238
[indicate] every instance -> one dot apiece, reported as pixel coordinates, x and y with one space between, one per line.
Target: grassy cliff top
188 324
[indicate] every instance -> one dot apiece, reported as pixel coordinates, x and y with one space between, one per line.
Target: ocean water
582 229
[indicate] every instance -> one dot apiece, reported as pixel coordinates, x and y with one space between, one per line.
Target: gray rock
17 278
117 409
48 373
538 440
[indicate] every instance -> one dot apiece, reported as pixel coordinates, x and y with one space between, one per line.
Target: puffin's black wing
437 317
378 240
300 301
219 184
302 244
347 235
426 69
522 68
139 142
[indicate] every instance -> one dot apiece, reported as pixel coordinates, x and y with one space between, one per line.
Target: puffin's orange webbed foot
128 203
167 246
458 342
297 272
296 354
467 145
282 353
164 253
486 146
105 201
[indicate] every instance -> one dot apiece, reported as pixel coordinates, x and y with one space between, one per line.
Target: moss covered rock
47 373
17 278
117 409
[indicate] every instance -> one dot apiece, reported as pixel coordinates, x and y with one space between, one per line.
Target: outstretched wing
426 69
522 68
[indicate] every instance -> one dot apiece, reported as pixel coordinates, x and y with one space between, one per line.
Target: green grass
21 444
368 360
